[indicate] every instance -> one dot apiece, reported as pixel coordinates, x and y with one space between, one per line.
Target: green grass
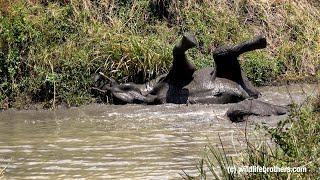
295 143
50 50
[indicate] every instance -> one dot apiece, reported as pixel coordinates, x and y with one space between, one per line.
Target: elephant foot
188 41
182 69
237 112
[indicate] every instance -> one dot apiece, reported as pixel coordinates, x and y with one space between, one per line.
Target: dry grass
2 172
317 104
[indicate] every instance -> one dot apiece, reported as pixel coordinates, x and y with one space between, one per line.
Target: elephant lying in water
224 83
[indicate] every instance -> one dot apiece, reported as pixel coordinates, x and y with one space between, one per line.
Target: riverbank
50 50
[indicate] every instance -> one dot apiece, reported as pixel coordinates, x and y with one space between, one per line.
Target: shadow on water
127 142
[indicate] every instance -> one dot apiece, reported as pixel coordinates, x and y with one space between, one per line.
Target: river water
124 142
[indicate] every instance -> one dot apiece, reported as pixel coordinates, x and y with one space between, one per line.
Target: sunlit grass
50 49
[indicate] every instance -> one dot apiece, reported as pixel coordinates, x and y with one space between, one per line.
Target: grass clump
50 49
260 67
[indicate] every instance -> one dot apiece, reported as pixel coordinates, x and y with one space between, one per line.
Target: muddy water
122 142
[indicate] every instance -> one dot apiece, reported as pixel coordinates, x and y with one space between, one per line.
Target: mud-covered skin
238 111
203 88
226 83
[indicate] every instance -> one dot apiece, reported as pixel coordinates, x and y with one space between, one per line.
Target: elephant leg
170 88
181 69
227 64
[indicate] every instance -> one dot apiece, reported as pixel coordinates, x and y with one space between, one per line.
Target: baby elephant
223 83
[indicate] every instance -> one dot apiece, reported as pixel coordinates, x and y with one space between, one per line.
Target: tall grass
50 49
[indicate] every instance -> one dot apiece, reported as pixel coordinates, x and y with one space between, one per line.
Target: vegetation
49 49
2 172
295 144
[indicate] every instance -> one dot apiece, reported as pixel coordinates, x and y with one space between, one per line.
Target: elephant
223 83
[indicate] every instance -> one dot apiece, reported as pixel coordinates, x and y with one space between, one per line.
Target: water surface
123 142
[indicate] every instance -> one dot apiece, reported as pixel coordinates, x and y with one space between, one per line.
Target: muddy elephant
223 83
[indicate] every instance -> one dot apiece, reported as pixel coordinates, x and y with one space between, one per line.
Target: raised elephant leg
182 69
228 66
170 90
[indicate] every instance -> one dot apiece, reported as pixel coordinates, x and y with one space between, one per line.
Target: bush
260 68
